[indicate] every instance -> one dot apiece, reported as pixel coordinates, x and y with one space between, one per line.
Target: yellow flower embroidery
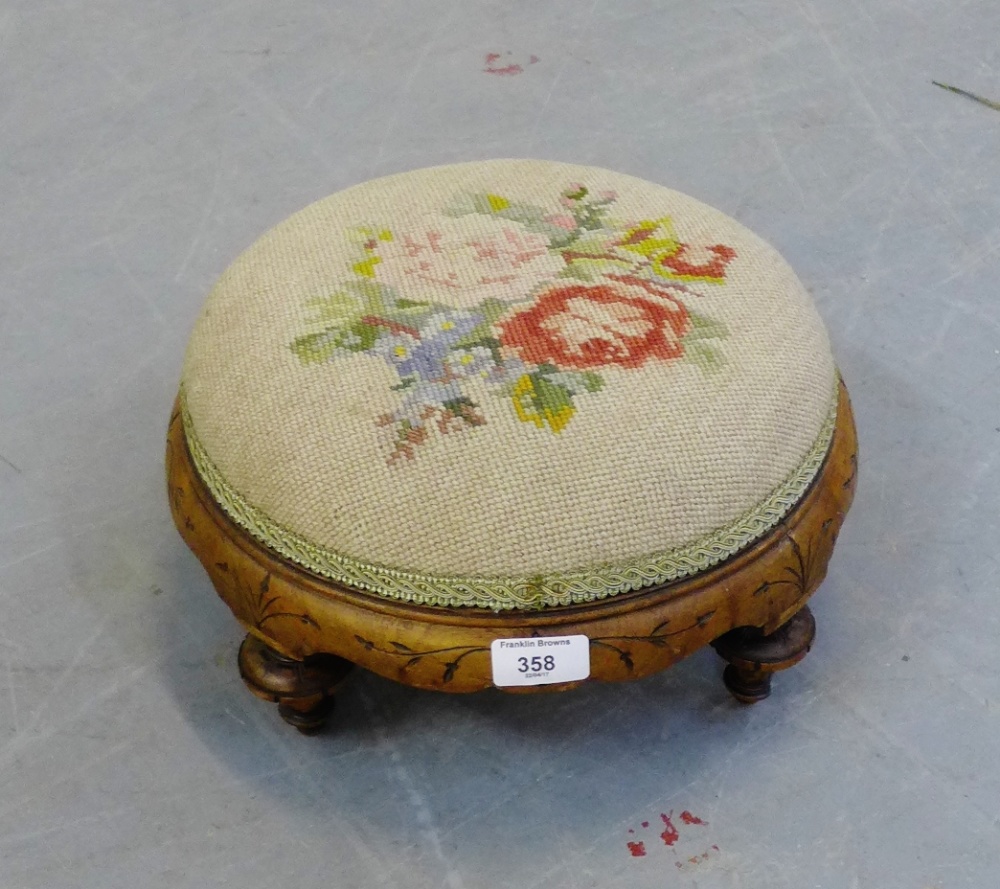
497 203
652 238
366 267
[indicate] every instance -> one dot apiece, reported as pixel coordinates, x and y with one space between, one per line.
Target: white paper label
540 660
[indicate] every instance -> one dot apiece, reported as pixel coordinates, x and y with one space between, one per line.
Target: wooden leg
753 657
303 690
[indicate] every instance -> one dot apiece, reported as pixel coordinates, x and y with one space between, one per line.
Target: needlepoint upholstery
509 384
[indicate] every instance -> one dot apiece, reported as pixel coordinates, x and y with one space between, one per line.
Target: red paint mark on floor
504 64
675 836
670 835
505 70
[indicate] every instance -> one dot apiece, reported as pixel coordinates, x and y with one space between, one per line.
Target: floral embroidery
534 302
459 265
585 326
670 258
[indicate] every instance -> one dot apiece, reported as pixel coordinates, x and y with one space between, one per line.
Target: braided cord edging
523 593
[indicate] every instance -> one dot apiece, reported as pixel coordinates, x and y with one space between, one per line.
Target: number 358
536 664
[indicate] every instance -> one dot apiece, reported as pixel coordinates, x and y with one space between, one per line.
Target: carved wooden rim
632 634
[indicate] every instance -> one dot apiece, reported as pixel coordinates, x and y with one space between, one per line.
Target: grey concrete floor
144 144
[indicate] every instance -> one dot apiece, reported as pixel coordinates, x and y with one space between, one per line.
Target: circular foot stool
511 423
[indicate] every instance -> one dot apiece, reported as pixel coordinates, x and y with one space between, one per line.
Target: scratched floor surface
144 144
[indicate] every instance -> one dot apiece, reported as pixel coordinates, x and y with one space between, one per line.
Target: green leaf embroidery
573 381
372 295
340 307
708 357
463 408
704 328
540 401
483 334
699 347
532 218
578 270
317 348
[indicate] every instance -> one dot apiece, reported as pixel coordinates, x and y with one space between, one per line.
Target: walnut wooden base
754 657
303 690
304 631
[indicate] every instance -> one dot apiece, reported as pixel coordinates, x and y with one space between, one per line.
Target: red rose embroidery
585 326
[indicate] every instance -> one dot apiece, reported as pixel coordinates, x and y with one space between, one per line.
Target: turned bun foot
754 658
303 690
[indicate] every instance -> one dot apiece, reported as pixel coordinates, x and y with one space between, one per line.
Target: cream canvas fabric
508 384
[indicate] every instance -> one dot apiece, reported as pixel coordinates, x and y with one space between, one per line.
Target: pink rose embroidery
460 263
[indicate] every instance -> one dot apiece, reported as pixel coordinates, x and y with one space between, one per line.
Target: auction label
540 660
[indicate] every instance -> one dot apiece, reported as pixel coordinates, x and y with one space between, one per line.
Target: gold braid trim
523 593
